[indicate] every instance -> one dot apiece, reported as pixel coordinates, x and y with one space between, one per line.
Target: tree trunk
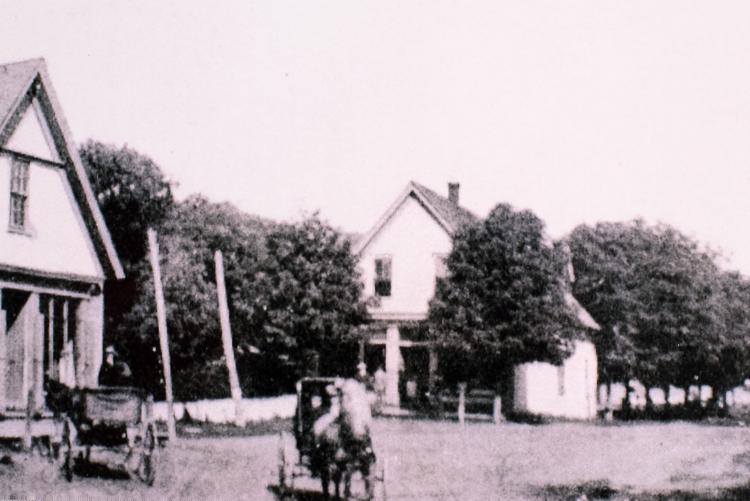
667 404
649 403
625 404
608 416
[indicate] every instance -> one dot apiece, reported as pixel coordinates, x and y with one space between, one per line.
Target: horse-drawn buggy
117 420
332 438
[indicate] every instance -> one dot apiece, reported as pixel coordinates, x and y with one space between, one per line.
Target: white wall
537 386
412 238
222 411
57 240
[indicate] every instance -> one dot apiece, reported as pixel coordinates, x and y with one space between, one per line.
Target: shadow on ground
99 470
297 494
601 490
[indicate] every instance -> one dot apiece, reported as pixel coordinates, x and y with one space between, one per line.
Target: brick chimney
453 192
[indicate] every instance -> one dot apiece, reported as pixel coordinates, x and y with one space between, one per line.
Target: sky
582 111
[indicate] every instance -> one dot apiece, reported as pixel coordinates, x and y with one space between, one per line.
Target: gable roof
455 215
20 83
580 313
447 214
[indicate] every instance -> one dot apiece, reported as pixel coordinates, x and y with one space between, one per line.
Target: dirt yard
443 461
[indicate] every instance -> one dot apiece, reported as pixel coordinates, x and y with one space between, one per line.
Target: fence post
497 410
461 402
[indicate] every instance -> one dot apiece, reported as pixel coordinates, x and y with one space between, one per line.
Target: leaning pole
161 317
226 338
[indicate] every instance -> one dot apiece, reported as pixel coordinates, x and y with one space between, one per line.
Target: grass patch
594 490
199 429
600 490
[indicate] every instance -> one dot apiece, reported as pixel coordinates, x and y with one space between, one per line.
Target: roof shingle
14 80
455 215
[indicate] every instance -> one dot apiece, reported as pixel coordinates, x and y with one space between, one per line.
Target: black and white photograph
307 250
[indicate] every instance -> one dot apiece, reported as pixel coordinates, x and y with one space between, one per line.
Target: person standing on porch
363 377
114 372
380 384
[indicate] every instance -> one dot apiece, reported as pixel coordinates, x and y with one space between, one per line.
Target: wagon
113 419
313 401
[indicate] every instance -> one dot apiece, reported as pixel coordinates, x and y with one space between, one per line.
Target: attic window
383 276
19 193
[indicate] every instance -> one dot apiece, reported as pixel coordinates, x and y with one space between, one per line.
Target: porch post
392 363
89 340
3 353
35 354
432 368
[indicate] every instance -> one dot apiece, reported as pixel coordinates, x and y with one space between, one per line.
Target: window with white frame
19 194
383 276
441 266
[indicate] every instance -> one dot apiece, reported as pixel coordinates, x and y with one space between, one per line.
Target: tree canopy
502 302
669 315
290 287
132 192
307 295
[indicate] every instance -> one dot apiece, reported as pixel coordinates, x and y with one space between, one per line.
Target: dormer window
383 276
19 193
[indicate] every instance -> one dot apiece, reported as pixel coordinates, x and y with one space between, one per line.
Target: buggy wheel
148 458
285 477
67 451
381 477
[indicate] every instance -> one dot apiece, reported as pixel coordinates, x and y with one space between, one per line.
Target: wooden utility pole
226 338
161 316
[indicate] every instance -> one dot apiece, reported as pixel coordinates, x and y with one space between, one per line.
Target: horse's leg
348 481
368 483
325 481
337 482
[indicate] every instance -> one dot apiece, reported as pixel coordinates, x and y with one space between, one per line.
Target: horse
343 442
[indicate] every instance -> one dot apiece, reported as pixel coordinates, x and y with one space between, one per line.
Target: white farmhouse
400 259
55 250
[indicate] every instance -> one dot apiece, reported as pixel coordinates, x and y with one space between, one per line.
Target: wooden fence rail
473 399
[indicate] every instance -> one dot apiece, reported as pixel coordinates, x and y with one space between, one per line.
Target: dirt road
440 461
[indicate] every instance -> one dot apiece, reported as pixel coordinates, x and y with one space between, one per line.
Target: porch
409 360
50 332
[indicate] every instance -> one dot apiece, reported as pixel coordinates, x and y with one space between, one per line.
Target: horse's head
355 408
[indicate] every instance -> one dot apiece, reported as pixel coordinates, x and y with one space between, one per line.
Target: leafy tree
655 293
187 244
132 192
307 296
727 362
502 303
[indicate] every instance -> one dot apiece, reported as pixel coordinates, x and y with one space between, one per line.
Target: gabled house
400 260
55 249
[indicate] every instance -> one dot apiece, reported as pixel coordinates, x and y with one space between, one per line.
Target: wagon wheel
149 455
285 475
381 476
282 464
66 451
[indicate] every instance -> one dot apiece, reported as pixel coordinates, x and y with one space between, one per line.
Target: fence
223 410
475 400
